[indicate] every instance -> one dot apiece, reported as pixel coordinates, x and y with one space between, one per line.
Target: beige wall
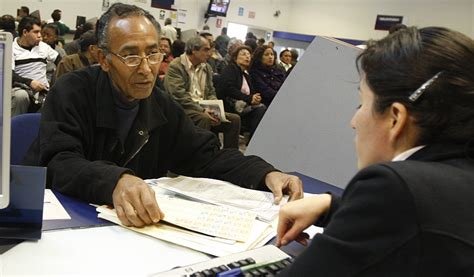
340 18
356 18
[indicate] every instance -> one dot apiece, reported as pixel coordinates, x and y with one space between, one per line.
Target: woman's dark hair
119 10
236 51
258 54
397 65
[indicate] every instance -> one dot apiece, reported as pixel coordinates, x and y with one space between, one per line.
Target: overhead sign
384 22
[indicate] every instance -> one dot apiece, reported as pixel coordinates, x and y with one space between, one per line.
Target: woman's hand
298 215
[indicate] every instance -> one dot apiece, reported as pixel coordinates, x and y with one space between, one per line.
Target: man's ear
102 58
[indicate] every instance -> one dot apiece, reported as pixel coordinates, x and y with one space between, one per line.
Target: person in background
189 80
408 211
271 44
285 60
231 46
30 56
294 57
251 43
165 48
205 29
22 12
235 88
50 35
260 42
178 47
222 41
87 56
56 20
265 76
169 31
215 60
73 47
104 129
7 24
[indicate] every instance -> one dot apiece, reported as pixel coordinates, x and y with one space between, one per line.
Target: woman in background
233 86
408 212
265 76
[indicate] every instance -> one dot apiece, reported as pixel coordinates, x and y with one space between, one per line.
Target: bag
242 107
36 98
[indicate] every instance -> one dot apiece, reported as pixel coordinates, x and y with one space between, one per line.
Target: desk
107 250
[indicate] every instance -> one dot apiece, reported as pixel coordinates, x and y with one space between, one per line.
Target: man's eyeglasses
135 60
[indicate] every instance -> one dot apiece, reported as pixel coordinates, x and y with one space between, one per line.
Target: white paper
261 233
52 208
222 193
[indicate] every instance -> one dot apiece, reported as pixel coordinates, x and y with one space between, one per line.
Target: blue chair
24 130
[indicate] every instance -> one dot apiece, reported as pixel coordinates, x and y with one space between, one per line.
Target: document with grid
219 221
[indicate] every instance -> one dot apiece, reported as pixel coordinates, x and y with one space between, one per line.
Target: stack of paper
214 229
223 194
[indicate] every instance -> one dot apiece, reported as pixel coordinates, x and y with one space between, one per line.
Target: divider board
307 127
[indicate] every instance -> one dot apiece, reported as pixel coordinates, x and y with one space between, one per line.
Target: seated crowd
245 76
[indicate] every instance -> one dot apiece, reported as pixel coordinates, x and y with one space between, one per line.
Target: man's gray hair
119 10
194 43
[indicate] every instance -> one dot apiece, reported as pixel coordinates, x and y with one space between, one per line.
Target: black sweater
79 141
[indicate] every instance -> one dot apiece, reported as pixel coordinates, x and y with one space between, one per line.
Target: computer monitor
5 112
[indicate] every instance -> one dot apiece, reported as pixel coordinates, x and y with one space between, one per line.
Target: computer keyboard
265 261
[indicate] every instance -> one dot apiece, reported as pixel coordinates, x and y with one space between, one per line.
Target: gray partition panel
307 127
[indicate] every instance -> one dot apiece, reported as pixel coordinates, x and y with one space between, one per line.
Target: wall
472 19
264 10
356 18
338 18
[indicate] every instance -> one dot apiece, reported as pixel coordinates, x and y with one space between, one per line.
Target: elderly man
106 128
189 80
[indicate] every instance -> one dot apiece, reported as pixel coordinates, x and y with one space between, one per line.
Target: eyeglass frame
147 57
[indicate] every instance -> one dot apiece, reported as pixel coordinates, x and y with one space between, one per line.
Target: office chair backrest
24 130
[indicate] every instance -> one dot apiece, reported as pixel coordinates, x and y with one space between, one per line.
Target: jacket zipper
138 150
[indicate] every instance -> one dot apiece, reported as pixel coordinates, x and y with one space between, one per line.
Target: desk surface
106 250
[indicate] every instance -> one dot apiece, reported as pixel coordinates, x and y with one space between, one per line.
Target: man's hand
135 202
37 86
296 216
214 119
280 183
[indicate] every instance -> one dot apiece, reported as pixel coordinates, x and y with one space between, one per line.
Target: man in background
189 80
169 31
87 56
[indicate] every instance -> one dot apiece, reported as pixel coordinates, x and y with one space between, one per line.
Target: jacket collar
437 152
150 113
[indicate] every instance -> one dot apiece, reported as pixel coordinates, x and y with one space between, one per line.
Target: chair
24 130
